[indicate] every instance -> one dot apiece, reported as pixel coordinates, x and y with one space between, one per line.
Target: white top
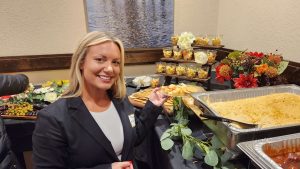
110 123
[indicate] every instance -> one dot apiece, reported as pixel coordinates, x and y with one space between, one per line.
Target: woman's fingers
158 97
122 165
131 165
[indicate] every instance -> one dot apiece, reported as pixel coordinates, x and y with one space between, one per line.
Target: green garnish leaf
187 150
282 66
167 144
226 156
234 55
211 158
165 135
186 131
216 143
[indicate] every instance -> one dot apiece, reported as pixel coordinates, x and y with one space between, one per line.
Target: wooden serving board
167 109
19 117
136 103
186 78
208 46
182 61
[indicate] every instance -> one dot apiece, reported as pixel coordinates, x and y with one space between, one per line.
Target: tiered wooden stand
206 82
168 78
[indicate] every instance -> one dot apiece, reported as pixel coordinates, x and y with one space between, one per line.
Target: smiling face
101 66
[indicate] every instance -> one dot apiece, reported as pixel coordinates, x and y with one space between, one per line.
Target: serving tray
19 117
231 135
255 149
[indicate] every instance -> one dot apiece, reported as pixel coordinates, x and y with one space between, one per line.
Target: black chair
7 158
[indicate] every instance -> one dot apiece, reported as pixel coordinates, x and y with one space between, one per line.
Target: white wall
196 16
55 26
261 25
40 27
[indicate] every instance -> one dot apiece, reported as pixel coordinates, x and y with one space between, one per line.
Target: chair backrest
7 158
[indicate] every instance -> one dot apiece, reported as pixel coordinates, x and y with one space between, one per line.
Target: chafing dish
258 152
228 133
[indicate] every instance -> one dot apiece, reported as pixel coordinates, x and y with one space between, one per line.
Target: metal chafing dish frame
254 149
231 135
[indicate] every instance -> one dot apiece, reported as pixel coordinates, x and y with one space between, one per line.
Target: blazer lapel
81 114
127 129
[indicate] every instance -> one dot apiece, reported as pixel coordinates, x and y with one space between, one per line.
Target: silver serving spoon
223 119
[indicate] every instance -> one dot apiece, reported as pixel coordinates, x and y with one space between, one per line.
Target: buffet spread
275 109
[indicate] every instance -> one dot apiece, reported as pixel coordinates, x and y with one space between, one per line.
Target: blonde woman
93 124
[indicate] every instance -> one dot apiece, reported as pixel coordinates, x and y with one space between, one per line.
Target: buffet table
149 154
173 159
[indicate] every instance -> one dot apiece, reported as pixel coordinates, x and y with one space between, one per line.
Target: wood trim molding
63 61
142 56
34 63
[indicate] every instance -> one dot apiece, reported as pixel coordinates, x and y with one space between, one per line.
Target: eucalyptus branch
180 130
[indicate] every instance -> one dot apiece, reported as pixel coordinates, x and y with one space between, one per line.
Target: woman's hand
122 165
157 98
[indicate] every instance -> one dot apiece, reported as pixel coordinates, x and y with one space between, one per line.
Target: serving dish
131 84
231 135
263 150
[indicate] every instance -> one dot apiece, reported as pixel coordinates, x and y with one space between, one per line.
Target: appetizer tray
139 98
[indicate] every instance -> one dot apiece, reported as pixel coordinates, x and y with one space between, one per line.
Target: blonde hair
76 83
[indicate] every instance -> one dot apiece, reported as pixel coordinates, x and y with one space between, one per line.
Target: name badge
132 120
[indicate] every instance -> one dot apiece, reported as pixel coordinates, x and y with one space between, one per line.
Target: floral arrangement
251 69
52 90
185 40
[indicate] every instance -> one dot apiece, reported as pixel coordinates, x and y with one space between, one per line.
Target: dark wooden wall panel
142 56
63 61
34 63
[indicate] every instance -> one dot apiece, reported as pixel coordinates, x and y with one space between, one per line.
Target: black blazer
67 136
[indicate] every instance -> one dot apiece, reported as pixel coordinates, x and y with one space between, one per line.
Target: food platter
130 84
26 105
29 114
231 135
139 99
